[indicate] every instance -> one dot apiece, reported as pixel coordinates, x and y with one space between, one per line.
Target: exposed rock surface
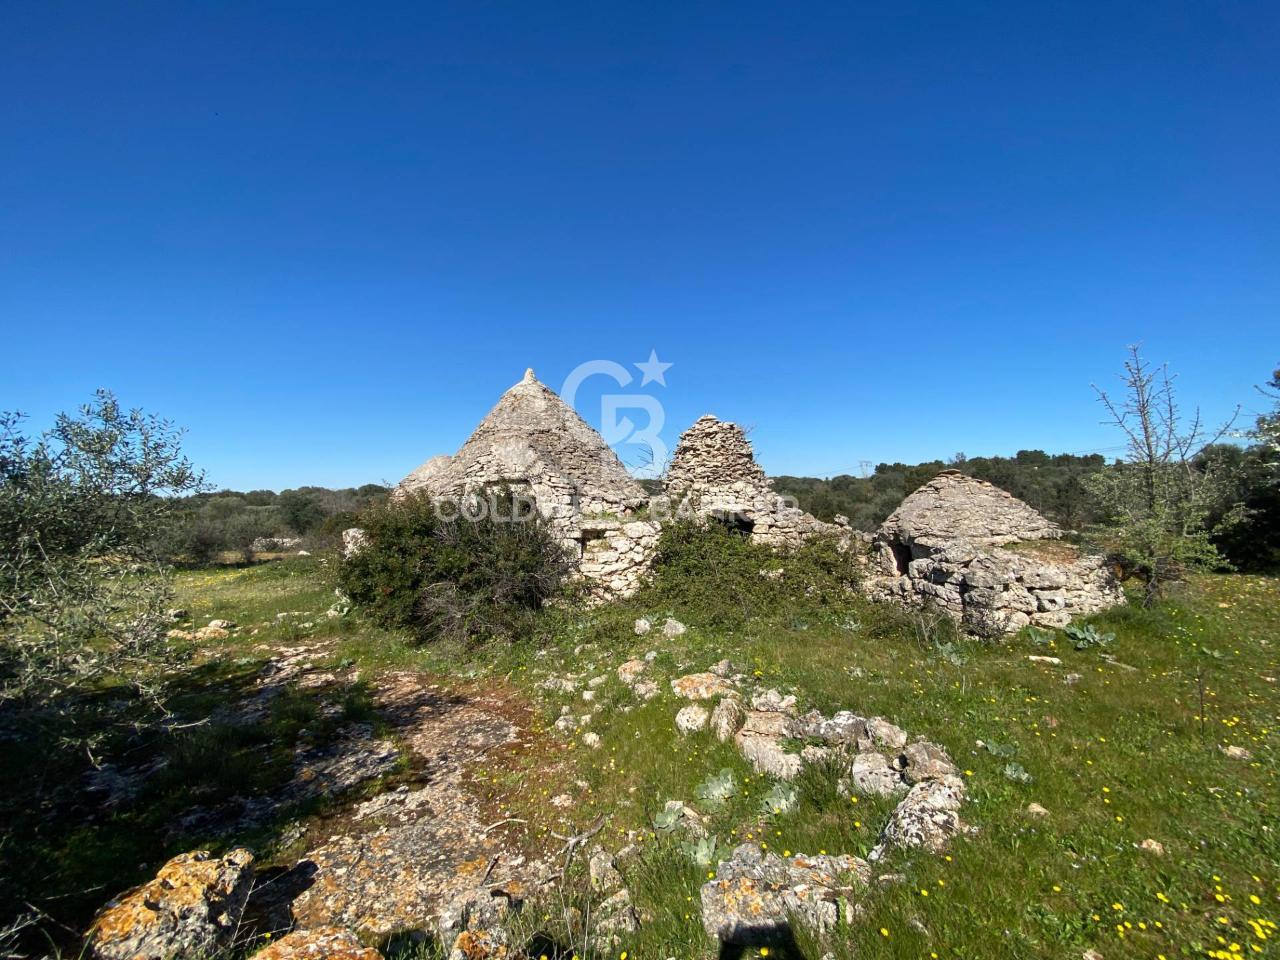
406 855
191 908
955 543
320 943
755 896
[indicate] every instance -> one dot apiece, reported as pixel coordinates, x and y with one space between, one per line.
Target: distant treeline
1246 523
229 520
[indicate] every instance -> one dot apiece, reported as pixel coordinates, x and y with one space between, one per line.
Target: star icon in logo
654 369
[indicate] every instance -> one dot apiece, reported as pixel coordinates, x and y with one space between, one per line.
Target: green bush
718 576
445 575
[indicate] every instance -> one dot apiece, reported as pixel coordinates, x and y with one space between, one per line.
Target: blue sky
325 237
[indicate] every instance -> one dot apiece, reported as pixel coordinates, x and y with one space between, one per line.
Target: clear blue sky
325 237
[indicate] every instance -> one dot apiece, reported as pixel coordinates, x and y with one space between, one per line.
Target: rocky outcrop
191 908
756 896
986 559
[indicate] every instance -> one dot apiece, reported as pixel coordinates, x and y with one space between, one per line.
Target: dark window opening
585 537
736 522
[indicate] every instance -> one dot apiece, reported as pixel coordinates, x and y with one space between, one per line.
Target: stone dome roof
953 506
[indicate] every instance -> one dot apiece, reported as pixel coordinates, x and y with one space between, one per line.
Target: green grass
1120 756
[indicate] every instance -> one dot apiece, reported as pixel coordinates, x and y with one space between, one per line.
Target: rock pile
971 549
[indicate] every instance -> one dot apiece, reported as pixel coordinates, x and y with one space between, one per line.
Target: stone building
713 473
986 558
536 445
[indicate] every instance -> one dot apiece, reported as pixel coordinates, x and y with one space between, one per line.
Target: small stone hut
986 558
713 473
536 445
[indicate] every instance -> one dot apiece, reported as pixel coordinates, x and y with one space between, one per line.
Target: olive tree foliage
1156 502
83 509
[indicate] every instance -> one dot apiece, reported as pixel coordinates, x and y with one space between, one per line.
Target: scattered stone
591 740
885 735
871 774
927 817
761 740
604 874
684 819
176 614
645 689
222 624
727 718
617 915
474 924
843 729
561 801
1035 810
643 626
192 907
1052 661
691 719
755 897
1237 753
1152 846
722 669
1071 679
1091 955
630 671
926 761
773 702
700 686
673 628
320 943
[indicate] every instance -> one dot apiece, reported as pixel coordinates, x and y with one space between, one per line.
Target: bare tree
1157 498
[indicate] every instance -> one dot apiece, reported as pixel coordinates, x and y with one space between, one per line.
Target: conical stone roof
953 507
714 466
534 441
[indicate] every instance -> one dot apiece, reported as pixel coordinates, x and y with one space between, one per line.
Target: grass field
1129 750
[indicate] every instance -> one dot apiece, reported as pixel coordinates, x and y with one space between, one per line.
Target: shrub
720 577
446 575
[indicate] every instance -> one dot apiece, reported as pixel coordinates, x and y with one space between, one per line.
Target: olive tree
83 510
